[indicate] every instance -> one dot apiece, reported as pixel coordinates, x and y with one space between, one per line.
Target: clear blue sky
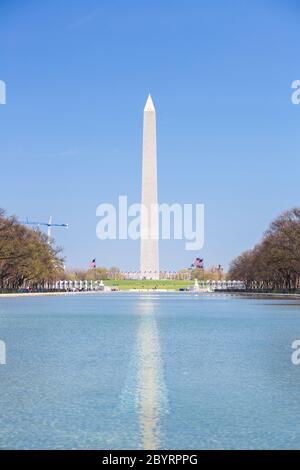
220 72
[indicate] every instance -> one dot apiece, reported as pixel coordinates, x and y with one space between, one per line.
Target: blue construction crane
48 224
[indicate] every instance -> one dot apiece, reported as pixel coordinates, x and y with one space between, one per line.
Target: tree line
274 263
93 274
213 273
27 260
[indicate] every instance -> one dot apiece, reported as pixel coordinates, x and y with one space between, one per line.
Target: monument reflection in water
157 371
151 386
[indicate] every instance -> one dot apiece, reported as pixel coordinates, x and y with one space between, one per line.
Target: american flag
198 263
92 264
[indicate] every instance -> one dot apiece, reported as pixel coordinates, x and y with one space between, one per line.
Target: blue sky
220 72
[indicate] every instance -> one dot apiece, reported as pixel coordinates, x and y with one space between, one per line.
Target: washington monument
149 213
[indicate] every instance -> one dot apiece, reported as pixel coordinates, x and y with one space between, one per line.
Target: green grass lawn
126 284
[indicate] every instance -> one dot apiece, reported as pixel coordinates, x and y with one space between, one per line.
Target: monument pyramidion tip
149 104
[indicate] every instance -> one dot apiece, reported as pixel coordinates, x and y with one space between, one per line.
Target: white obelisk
149 212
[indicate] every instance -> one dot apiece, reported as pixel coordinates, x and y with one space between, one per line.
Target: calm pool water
130 371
